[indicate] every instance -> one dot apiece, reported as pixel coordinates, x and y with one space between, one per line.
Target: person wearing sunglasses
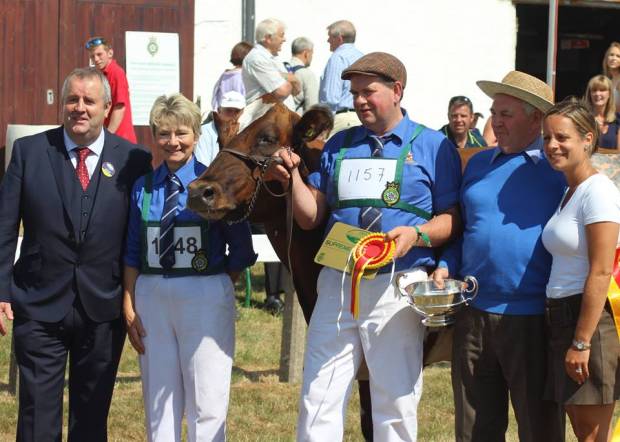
460 124
119 119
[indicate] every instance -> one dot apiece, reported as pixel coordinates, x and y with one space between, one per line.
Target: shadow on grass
127 379
253 375
4 387
250 375
253 302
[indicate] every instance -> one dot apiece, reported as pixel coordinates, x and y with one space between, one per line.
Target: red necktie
81 170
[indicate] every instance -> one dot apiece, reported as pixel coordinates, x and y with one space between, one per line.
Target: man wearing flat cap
389 175
507 196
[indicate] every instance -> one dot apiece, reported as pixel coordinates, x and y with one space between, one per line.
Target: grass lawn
262 408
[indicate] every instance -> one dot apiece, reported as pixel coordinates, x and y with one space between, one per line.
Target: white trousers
189 347
388 333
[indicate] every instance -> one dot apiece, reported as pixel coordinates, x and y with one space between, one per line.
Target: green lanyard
199 263
375 202
472 141
146 198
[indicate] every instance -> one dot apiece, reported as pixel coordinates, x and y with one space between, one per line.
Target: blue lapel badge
108 169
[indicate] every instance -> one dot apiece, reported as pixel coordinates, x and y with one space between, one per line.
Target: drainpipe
248 15
552 43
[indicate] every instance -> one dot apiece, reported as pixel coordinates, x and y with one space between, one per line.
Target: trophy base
438 321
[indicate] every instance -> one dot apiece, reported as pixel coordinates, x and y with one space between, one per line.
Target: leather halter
261 162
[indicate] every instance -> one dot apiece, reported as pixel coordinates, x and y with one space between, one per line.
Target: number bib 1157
365 178
189 242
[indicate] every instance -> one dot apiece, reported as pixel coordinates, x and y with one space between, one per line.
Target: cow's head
230 186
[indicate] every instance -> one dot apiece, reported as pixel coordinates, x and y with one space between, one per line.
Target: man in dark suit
70 188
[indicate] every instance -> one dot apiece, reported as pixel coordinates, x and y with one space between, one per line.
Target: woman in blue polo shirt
179 301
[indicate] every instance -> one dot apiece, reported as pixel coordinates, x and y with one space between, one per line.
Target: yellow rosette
370 252
613 292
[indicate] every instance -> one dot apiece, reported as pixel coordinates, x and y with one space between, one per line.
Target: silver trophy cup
438 306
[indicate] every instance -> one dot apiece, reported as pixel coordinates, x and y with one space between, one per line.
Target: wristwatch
581 345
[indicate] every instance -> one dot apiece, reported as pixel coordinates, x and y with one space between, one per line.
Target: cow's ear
226 129
316 122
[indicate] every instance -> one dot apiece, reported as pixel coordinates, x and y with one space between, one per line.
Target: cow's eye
266 140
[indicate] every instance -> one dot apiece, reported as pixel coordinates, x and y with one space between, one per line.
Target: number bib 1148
365 178
189 243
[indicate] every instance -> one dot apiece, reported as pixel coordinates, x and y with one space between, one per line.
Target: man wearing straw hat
507 196
389 175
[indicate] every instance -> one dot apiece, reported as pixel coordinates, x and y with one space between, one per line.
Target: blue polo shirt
431 179
506 200
237 236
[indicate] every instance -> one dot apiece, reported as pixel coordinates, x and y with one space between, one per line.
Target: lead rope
289 221
259 182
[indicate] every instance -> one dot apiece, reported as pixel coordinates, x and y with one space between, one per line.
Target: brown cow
232 188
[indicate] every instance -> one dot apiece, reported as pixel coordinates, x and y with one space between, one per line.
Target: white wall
217 30
446 45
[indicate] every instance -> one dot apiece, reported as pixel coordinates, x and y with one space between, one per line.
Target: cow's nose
208 193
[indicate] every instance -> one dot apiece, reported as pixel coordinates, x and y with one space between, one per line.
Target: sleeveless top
609 139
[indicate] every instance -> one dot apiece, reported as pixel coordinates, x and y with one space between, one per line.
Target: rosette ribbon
613 292
370 252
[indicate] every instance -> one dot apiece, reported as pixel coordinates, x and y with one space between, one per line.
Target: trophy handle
397 284
472 288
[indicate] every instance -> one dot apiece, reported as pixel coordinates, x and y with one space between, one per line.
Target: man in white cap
228 113
507 196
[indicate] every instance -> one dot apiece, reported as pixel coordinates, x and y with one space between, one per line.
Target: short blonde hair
580 115
174 110
601 83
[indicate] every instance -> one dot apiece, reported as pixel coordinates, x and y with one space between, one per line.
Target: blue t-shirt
431 180
506 200
237 236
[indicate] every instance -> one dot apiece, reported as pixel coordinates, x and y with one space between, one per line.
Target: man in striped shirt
334 91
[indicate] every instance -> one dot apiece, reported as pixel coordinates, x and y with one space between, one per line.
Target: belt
342 111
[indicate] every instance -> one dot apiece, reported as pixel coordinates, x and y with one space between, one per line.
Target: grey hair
300 44
343 28
528 108
267 27
83 73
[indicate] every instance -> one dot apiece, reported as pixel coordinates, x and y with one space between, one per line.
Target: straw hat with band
522 86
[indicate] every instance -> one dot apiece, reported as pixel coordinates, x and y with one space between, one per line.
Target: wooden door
81 19
41 41
28 64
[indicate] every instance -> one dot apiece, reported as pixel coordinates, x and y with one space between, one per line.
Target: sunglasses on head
96 41
460 99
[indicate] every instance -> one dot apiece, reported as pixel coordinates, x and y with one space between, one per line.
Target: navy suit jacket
73 240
